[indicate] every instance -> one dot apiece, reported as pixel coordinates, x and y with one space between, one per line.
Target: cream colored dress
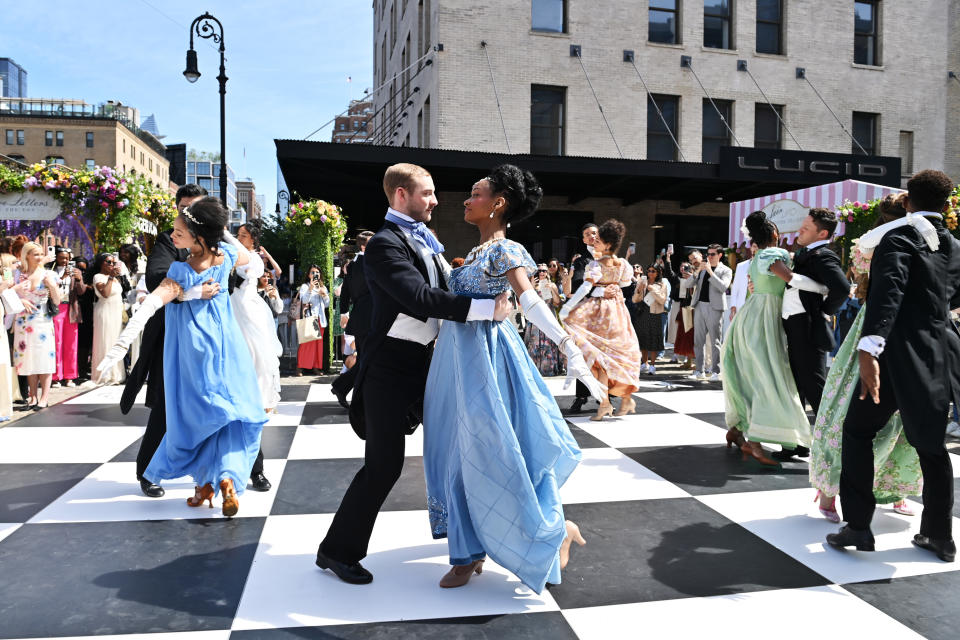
107 323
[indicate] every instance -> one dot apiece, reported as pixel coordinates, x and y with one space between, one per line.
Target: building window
766 126
770 26
206 183
90 139
17 157
906 153
48 138
133 152
717 21
54 160
715 132
20 139
660 145
203 169
91 163
549 15
546 120
141 157
59 138
424 21
865 132
866 35
9 136
150 164
664 22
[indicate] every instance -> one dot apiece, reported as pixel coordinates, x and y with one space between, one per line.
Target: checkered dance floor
684 540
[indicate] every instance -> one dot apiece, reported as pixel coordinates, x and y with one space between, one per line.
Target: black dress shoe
577 405
151 490
352 573
945 549
341 398
849 537
785 455
259 482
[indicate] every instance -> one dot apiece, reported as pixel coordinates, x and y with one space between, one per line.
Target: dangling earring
493 212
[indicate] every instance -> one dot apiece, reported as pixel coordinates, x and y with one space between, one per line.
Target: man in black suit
355 292
149 366
909 362
807 316
578 266
406 276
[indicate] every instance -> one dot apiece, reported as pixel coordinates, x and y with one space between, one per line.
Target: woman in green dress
760 395
896 464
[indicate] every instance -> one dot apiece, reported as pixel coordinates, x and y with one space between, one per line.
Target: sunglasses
651 270
710 255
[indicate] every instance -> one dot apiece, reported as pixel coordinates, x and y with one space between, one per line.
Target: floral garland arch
100 207
319 228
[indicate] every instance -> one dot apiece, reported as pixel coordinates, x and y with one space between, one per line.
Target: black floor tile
709 469
130 453
585 440
294 393
648 550
927 604
644 406
317 486
26 489
324 413
275 441
529 626
716 419
124 577
87 415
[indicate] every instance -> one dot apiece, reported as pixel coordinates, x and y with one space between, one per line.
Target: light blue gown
496 449
214 409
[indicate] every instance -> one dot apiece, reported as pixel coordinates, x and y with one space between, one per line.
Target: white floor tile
606 475
698 401
288 414
182 635
789 520
650 430
733 616
321 393
6 528
317 441
286 589
106 395
64 444
111 493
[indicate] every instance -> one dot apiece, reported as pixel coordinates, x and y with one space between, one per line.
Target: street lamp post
203 27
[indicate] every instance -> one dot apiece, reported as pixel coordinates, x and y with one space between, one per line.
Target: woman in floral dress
544 353
34 348
897 467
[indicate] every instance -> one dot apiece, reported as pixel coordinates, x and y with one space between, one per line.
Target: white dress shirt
791 297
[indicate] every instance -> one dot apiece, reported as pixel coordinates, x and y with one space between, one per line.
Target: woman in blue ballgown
496 449
214 410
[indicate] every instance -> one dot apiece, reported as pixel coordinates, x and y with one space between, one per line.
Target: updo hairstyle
206 220
255 228
519 188
611 232
761 229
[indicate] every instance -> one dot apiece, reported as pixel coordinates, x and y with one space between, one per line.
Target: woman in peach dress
599 322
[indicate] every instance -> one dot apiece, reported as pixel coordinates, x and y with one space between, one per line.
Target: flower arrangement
951 212
860 259
100 207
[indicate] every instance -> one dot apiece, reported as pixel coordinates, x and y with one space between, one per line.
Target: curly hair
254 227
824 219
611 232
929 189
519 188
761 229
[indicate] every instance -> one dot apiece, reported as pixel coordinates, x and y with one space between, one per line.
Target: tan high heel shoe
573 535
230 502
460 574
627 405
605 409
201 495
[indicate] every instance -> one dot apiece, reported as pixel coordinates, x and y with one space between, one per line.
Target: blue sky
287 62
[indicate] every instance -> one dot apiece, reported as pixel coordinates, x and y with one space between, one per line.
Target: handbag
308 329
52 307
12 304
293 313
687 318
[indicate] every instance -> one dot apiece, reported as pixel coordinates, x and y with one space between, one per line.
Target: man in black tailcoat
406 275
909 356
356 320
578 267
808 316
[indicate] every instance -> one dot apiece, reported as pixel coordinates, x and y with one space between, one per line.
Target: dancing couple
493 433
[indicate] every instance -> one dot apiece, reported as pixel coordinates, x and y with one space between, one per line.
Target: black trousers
807 361
864 419
388 386
345 381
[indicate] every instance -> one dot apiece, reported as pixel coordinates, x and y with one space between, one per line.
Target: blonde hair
401 175
25 251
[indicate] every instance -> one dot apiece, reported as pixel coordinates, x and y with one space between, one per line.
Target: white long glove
134 327
538 313
808 284
228 237
575 299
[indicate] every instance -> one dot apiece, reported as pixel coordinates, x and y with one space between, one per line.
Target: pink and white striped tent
788 209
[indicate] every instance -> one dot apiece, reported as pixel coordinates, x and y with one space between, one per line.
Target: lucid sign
806 166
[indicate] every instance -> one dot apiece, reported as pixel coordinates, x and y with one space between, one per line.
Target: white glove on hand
134 327
808 284
575 299
228 237
539 314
